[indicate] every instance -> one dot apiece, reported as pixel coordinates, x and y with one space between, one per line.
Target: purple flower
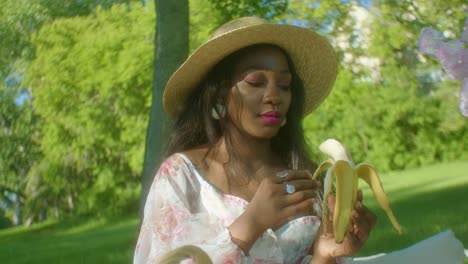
454 59
452 55
429 41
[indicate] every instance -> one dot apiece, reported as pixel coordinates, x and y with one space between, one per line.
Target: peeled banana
346 184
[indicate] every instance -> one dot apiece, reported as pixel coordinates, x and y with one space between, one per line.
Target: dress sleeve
172 218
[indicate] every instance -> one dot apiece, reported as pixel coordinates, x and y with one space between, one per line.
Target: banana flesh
346 174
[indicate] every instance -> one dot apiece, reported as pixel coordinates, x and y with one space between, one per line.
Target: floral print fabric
183 208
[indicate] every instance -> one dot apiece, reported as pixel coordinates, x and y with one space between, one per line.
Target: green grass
425 201
96 241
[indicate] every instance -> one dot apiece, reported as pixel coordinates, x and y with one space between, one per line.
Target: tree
171 48
91 79
18 146
19 21
385 105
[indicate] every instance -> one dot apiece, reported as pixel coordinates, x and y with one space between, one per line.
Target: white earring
284 122
219 112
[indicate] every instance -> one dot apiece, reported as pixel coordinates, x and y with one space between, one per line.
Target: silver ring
282 174
290 189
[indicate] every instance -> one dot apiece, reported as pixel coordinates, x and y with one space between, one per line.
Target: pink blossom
452 55
429 41
454 59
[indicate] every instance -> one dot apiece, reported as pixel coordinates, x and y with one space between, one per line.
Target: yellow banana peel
346 184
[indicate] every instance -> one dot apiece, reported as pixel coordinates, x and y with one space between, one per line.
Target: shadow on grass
421 215
71 242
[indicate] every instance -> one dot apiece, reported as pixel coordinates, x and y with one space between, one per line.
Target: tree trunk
171 48
18 210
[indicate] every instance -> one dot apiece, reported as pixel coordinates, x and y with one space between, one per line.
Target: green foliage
267 9
392 126
4 221
91 80
91 77
204 19
18 19
18 141
207 15
386 106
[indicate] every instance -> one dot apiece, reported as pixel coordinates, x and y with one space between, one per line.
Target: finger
361 227
356 242
301 185
359 196
367 214
300 174
305 207
331 205
300 196
288 175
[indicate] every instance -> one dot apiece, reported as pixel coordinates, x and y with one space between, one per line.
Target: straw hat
313 57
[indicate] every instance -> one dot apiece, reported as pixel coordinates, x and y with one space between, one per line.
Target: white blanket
442 248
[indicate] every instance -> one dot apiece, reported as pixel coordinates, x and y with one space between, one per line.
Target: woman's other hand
272 205
363 220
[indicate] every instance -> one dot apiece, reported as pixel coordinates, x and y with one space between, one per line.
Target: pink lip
272 117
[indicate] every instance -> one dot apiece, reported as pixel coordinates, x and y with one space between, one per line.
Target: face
260 98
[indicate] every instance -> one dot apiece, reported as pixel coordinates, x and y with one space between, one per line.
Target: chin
267 134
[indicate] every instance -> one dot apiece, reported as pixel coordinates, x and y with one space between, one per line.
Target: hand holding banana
347 174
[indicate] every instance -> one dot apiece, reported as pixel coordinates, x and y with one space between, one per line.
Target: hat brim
314 60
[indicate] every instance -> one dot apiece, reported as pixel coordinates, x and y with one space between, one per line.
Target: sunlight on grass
425 201
92 241
82 227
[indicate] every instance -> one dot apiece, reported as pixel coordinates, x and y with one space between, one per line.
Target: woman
236 178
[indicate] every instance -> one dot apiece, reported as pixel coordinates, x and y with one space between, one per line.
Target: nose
272 95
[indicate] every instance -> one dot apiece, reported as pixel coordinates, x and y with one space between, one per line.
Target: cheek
287 101
245 98
235 104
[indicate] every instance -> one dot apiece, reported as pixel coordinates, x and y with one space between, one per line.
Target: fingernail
350 228
282 174
314 200
358 205
354 213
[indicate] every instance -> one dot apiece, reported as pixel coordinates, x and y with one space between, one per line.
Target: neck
252 153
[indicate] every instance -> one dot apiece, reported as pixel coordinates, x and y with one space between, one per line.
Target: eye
256 84
286 86
255 79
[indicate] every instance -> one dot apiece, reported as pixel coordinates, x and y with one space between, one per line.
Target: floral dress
182 208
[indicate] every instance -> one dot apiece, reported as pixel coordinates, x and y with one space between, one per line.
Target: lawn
72 242
425 201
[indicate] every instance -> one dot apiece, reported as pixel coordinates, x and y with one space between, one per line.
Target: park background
78 82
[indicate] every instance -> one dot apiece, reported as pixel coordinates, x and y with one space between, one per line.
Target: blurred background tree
78 79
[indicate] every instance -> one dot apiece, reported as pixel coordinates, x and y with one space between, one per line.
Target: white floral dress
183 208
